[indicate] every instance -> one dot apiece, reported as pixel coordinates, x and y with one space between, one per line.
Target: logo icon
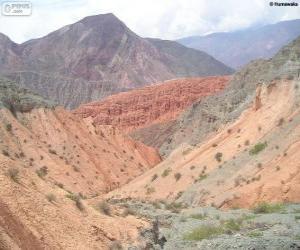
19 8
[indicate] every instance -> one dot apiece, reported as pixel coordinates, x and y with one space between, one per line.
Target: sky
166 19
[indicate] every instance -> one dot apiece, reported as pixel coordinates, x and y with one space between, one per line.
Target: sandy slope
238 178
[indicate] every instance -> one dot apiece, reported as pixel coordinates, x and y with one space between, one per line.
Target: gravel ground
247 230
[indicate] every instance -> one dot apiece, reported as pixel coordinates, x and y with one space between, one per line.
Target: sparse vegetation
52 151
166 172
51 198
42 172
255 234
5 152
77 199
258 148
199 216
218 156
115 245
201 177
104 208
154 177
13 173
204 232
8 127
177 176
150 190
264 208
175 207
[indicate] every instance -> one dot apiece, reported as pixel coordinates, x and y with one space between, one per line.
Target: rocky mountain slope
212 112
50 162
250 159
238 48
96 57
156 104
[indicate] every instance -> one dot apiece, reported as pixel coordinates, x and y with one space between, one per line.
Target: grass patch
265 208
255 234
199 216
258 148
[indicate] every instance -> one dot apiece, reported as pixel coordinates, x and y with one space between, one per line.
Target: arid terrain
185 157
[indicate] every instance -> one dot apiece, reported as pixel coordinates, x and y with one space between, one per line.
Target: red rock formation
150 105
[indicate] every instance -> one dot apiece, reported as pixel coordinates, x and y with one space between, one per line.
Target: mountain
96 57
156 104
238 48
247 151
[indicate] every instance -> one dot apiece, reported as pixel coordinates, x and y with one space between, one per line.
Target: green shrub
150 190
203 232
8 127
258 148
154 177
13 173
5 152
174 207
232 225
166 172
202 177
77 199
177 176
51 198
264 208
42 172
199 216
255 234
104 208
218 156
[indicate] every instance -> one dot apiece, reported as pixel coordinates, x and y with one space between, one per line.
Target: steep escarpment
157 104
212 112
96 57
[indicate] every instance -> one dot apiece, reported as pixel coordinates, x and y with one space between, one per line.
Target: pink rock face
157 103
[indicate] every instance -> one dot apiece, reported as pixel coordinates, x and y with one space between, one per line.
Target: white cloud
168 19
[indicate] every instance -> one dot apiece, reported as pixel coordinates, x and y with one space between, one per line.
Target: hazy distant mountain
96 57
240 47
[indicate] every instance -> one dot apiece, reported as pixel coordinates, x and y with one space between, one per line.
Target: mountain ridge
238 48
96 57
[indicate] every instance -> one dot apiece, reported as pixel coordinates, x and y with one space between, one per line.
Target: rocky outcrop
96 57
156 104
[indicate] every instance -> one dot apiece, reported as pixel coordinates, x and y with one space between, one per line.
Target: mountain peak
101 18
